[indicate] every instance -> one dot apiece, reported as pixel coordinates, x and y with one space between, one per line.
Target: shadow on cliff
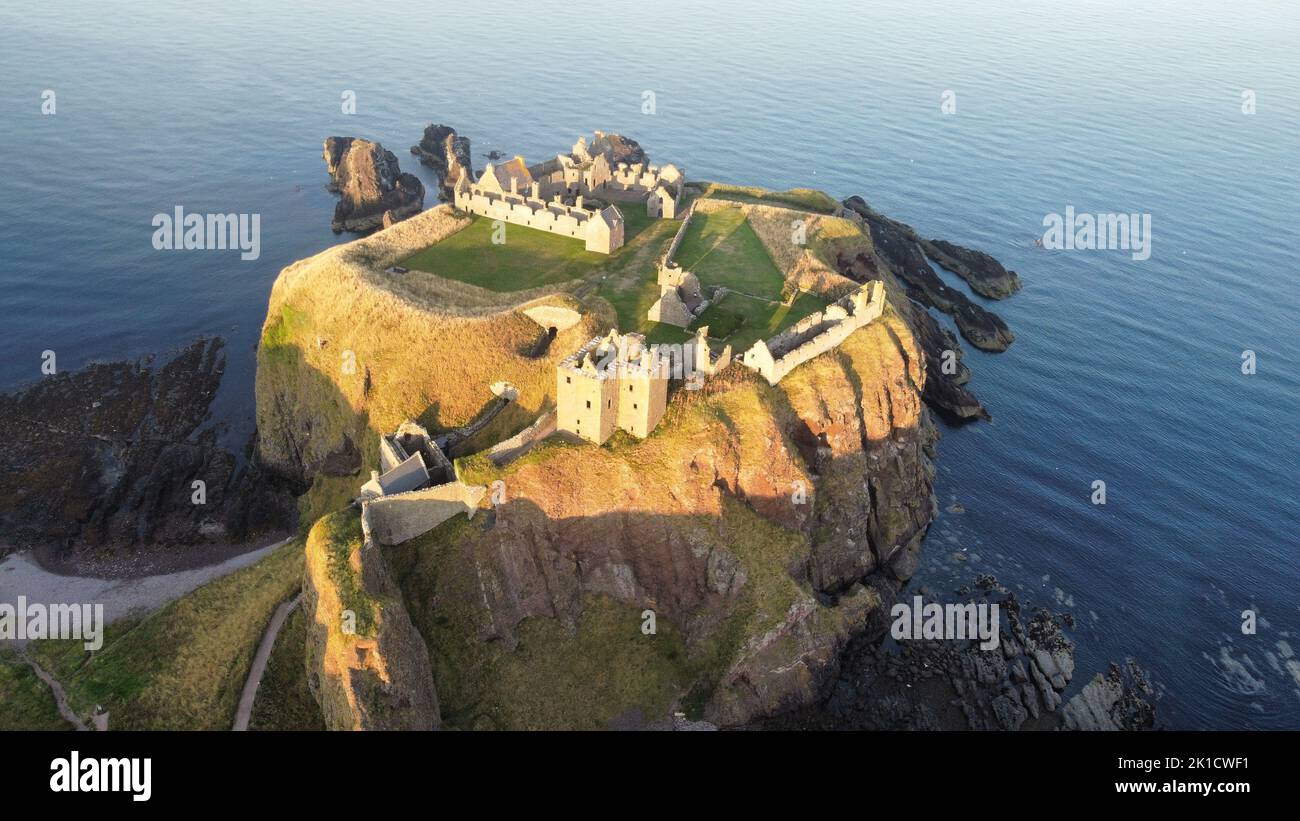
331 450
755 595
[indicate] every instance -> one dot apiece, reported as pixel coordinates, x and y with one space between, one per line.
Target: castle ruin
816 333
499 194
591 169
416 488
614 381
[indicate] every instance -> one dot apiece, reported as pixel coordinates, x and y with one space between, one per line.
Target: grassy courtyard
721 248
527 259
743 320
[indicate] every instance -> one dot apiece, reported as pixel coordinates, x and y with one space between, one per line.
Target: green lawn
721 248
527 259
754 319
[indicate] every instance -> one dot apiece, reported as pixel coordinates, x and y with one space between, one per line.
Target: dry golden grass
423 347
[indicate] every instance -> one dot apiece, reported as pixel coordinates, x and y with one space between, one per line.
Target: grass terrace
743 320
804 199
527 259
721 248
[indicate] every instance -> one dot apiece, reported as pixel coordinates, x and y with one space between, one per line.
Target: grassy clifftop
349 351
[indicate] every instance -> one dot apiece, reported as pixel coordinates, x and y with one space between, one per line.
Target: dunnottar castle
614 382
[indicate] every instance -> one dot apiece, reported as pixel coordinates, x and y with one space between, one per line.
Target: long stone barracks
556 195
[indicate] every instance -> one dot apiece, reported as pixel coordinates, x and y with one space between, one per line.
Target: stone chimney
537 190
578 201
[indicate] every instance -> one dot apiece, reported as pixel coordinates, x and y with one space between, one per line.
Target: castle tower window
588 404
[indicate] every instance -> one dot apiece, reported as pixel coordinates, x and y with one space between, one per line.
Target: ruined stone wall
553 217
670 310
507 450
564 220
815 334
389 456
398 517
667 261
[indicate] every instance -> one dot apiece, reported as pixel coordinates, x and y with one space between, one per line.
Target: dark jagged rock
105 459
954 685
1120 700
618 148
899 247
447 154
943 390
374 190
984 274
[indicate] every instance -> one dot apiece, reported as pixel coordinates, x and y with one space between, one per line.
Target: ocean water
1124 371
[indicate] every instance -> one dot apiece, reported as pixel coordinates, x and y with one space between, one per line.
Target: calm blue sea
1124 371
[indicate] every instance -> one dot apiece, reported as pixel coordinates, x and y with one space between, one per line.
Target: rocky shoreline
903 251
448 154
102 463
954 685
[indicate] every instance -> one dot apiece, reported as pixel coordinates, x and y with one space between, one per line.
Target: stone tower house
613 382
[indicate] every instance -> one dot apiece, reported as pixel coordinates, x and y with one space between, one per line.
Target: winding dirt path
60 697
249 695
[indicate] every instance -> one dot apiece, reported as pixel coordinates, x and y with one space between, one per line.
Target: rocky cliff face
448 154
954 685
374 191
366 664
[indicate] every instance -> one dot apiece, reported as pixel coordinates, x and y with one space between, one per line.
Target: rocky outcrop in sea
902 250
374 191
448 154
984 274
